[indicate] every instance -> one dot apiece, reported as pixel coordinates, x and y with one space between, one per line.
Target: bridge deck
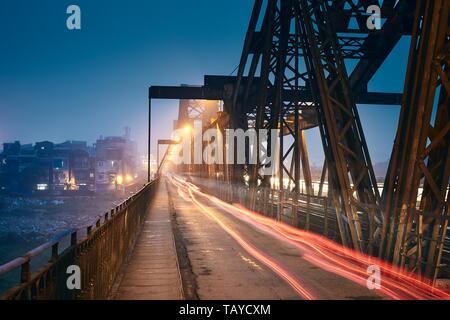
194 246
152 272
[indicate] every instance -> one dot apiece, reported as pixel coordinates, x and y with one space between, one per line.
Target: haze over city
62 85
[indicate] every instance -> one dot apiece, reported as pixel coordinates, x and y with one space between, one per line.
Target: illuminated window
42 186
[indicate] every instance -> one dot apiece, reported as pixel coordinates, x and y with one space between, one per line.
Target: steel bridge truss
415 193
292 76
297 49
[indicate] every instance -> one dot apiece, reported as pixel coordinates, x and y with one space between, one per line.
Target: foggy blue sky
57 84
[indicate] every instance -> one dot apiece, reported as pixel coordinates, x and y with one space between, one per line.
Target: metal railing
308 212
99 250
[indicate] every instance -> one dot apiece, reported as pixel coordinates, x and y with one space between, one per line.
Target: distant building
46 167
68 166
74 166
116 162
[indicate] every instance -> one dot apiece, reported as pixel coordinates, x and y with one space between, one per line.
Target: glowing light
252 250
263 258
327 254
42 186
129 178
119 179
71 184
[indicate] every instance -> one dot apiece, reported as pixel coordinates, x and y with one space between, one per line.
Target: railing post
73 239
308 217
55 251
325 228
280 204
25 272
294 207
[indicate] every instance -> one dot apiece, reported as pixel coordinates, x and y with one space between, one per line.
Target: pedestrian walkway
152 272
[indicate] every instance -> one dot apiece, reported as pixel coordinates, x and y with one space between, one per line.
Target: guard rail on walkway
98 250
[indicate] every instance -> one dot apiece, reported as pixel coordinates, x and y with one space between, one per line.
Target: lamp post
149 137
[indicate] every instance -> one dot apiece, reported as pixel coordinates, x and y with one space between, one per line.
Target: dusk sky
59 85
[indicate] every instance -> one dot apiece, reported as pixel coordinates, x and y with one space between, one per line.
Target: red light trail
257 254
320 251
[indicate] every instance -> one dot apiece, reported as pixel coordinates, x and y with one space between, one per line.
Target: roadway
232 259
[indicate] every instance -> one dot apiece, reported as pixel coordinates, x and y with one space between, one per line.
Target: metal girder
190 110
349 18
342 12
216 93
222 88
355 190
301 54
185 92
280 99
382 42
417 222
168 143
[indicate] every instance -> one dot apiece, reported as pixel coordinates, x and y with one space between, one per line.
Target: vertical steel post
149 138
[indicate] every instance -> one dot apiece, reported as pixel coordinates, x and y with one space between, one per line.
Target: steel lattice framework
299 50
292 76
414 235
